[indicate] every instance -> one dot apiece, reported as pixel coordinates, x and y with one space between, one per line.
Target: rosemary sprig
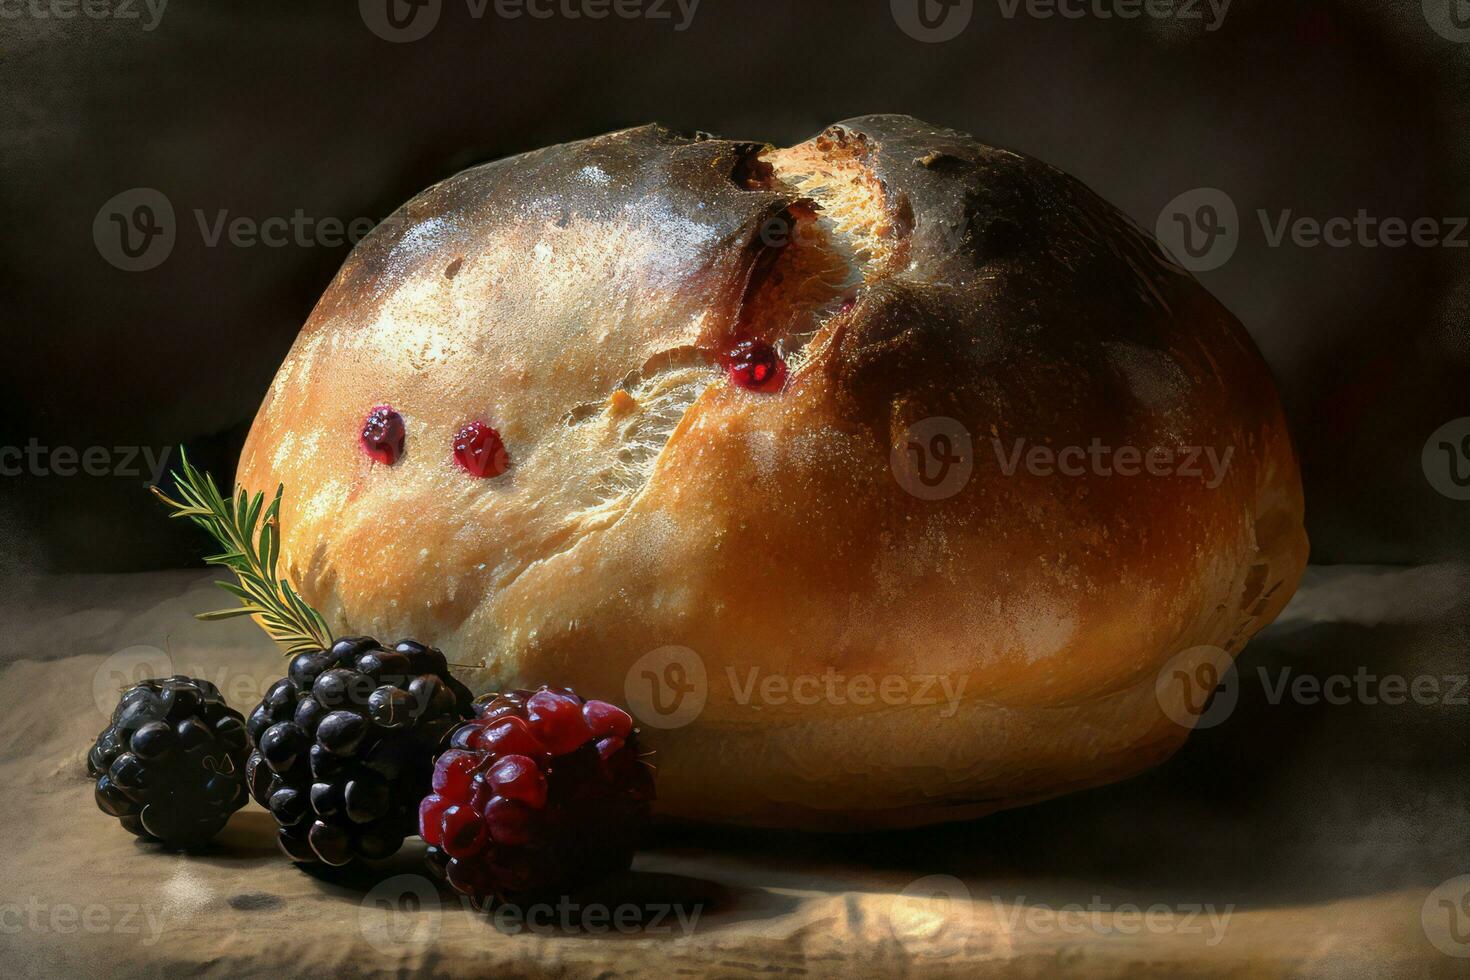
251 554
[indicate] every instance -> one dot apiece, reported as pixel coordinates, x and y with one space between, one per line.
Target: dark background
1323 107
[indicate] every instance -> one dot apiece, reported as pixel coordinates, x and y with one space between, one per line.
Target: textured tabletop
1319 834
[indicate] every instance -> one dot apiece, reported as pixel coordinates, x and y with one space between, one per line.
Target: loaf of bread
881 476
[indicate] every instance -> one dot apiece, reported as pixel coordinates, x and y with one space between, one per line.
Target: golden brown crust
577 299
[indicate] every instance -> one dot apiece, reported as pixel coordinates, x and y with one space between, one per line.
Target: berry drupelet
540 793
345 746
171 765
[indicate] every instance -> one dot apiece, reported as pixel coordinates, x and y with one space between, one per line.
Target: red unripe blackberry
540 793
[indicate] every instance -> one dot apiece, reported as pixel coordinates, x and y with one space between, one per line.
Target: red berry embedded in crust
383 435
756 366
479 450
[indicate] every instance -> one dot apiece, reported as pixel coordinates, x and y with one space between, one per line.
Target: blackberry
345 746
540 793
171 765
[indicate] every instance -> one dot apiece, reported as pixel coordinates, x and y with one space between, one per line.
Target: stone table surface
1303 836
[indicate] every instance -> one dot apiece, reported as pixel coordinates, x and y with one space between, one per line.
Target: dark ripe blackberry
171 765
540 793
345 746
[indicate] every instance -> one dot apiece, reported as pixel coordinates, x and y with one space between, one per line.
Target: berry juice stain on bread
657 390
